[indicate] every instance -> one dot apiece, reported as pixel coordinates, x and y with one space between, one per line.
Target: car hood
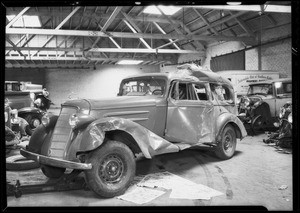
114 102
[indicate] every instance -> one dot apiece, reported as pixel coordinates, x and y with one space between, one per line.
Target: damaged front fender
228 118
149 143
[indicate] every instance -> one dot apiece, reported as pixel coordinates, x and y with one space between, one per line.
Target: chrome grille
61 133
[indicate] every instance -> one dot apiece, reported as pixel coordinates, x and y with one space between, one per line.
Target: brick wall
275 55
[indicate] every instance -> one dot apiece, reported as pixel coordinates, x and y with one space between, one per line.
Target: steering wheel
159 91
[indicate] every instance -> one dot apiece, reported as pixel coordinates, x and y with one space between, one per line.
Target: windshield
142 86
283 88
260 89
12 87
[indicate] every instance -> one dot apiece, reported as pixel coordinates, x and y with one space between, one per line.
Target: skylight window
132 62
168 10
25 21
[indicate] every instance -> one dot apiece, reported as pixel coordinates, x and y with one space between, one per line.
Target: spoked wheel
113 169
258 124
226 147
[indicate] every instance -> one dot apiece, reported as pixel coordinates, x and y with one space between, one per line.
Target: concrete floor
252 177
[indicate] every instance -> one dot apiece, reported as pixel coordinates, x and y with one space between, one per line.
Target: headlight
290 118
281 113
73 120
45 120
6 116
32 96
247 102
38 102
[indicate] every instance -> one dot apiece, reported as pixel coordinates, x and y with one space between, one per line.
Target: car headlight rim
290 118
45 120
73 121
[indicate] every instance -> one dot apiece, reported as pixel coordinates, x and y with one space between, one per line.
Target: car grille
61 134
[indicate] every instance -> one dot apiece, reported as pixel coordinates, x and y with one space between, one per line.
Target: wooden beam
205 20
133 50
58 27
161 30
257 8
134 28
16 18
67 18
124 34
220 21
106 25
243 25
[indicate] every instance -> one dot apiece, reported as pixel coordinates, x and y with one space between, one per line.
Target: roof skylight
129 62
168 10
25 21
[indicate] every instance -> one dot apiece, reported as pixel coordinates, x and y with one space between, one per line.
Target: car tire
226 147
34 121
20 163
52 172
113 169
258 125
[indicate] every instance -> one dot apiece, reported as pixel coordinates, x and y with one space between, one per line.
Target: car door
283 94
190 113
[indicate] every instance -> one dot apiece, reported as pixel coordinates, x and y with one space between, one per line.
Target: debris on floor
141 195
282 187
181 189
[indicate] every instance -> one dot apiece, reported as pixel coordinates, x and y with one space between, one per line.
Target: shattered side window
201 92
183 91
221 93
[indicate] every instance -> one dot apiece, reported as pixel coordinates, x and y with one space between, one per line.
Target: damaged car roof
188 72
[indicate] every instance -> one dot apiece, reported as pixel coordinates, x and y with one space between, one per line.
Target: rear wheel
52 172
226 147
113 169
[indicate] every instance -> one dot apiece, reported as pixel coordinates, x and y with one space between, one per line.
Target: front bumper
42 159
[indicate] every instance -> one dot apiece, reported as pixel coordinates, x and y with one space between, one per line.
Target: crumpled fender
226 118
149 143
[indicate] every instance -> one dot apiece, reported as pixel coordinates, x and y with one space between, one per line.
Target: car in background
261 106
21 97
153 114
17 98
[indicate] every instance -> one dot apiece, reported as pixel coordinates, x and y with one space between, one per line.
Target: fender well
125 138
230 119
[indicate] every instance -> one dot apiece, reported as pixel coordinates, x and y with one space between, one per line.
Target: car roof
188 72
272 81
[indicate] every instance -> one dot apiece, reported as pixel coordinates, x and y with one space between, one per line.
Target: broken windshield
142 86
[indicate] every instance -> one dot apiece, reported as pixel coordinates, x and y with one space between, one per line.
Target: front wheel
226 147
34 121
113 169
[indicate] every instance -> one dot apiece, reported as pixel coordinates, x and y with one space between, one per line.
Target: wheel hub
227 143
111 169
36 122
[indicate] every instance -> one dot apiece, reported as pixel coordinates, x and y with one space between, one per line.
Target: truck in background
241 79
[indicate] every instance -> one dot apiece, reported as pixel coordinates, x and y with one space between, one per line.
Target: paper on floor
181 188
141 195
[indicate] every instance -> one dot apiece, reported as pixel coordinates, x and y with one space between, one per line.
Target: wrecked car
153 114
260 108
283 136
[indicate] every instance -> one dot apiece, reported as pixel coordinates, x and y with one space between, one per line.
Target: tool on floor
65 183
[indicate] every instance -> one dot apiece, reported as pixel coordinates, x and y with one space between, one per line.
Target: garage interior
83 51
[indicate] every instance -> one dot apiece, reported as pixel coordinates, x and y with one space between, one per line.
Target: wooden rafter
126 35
